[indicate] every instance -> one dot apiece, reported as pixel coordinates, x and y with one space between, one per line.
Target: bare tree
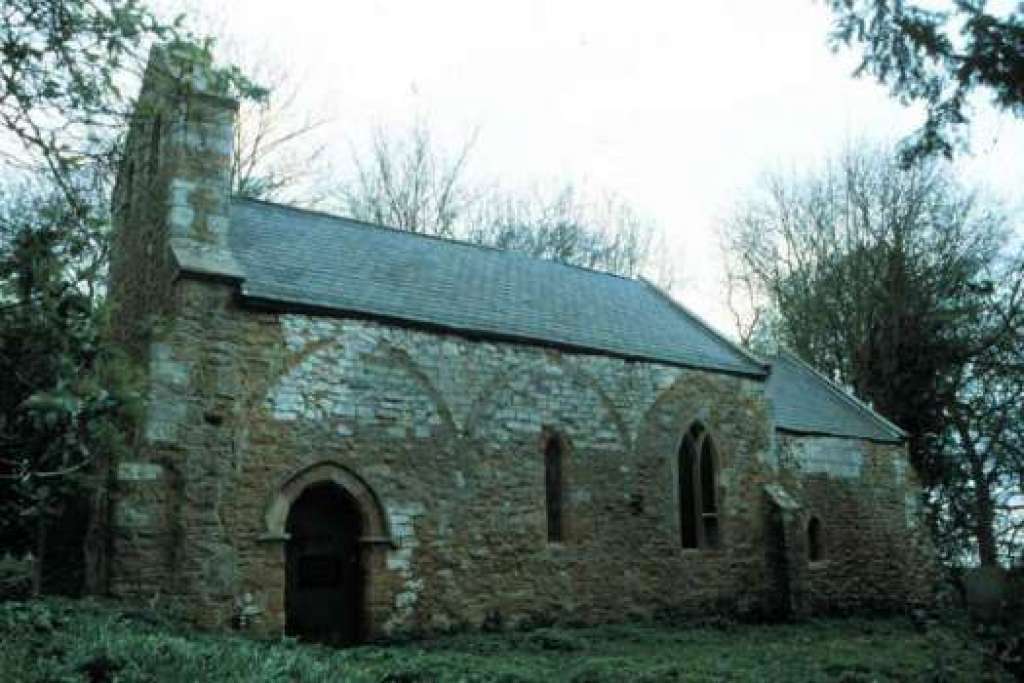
277 156
899 283
280 151
603 233
983 492
406 183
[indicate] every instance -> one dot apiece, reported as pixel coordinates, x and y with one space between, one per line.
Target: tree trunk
984 517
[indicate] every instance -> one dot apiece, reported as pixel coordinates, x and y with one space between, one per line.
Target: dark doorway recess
780 602
63 550
324 573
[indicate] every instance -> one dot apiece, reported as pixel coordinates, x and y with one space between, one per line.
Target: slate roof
807 402
291 257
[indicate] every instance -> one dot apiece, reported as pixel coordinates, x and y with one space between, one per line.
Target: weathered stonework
872 545
447 433
439 440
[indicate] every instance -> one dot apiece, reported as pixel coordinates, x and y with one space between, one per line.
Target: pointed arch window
553 488
698 490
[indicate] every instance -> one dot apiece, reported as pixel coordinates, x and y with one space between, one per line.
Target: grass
57 641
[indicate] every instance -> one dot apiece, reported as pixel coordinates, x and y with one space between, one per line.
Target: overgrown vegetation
89 641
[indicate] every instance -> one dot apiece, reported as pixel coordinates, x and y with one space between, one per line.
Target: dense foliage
937 57
64 391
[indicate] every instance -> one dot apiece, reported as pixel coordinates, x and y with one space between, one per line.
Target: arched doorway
324 575
330 502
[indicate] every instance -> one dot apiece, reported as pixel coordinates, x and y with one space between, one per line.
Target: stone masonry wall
448 434
172 196
170 211
441 439
872 541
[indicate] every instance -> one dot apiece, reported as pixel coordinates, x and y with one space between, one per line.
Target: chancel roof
807 402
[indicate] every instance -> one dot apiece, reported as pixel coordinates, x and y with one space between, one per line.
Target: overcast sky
677 106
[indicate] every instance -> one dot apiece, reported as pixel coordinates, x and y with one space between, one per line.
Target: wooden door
324 574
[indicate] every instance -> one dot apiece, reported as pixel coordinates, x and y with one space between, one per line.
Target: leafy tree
66 67
61 404
937 57
64 72
901 284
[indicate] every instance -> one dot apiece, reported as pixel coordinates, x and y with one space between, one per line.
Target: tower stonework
348 429
171 210
172 200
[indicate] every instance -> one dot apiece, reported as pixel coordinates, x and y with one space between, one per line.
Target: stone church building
353 432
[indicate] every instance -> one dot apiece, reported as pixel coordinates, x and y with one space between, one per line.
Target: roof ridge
835 388
326 264
747 355
423 235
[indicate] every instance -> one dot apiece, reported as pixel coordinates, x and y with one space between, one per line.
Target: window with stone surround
698 490
815 549
553 485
